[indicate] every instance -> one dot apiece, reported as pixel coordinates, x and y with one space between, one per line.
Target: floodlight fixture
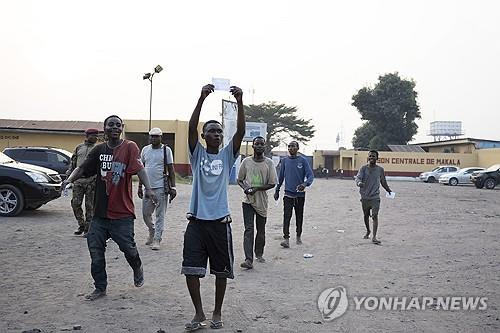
149 77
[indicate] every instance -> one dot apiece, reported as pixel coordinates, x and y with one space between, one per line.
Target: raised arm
195 117
240 122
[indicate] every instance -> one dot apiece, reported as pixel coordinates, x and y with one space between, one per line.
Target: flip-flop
216 324
193 326
376 242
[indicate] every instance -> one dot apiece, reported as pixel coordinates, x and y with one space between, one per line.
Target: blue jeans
122 232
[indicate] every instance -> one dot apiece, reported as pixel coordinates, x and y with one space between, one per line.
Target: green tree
282 123
390 109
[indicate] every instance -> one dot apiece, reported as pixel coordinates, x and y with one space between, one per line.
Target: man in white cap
158 162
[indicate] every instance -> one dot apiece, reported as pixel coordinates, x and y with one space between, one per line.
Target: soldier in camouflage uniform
83 187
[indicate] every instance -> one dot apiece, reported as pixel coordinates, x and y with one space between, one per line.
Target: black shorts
373 204
208 240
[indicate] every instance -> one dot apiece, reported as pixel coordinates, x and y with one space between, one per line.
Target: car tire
490 183
479 184
431 179
453 181
11 200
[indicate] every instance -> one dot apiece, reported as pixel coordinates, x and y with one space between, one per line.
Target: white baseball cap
155 131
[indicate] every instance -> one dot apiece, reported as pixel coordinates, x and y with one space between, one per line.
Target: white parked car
433 175
462 176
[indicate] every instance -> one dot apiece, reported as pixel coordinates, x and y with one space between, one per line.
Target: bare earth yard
436 241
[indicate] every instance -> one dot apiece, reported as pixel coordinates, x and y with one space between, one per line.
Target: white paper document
221 84
390 196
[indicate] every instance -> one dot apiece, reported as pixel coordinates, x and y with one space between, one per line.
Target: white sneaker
156 245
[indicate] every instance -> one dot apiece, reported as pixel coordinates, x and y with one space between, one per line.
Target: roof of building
330 152
453 142
48 125
406 148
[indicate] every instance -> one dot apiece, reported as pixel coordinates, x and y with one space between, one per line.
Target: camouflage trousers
80 190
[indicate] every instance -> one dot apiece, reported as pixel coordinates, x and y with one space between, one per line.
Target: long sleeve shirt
294 171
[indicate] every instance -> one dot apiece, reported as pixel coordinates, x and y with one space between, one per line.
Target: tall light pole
149 76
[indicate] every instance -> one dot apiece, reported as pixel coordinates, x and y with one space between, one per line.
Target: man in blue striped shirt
297 174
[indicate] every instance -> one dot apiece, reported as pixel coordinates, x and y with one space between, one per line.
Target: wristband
173 188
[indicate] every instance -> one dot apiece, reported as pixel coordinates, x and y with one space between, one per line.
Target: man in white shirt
158 162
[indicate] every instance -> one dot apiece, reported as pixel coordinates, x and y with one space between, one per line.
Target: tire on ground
490 183
13 194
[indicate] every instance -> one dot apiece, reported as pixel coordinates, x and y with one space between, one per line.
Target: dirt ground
436 241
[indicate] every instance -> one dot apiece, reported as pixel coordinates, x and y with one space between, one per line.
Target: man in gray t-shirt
369 179
157 159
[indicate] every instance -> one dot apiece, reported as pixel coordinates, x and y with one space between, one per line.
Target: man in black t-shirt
114 162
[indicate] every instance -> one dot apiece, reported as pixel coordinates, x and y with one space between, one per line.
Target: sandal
216 324
194 325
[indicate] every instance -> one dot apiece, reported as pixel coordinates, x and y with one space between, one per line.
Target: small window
61 158
35 155
14 153
55 158
452 169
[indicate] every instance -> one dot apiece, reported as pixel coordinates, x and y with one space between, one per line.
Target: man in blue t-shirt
208 234
297 174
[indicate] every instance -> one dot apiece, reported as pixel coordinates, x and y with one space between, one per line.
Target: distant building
67 134
462 145
411 160
58 134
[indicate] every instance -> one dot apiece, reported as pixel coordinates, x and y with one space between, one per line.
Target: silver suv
433 175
